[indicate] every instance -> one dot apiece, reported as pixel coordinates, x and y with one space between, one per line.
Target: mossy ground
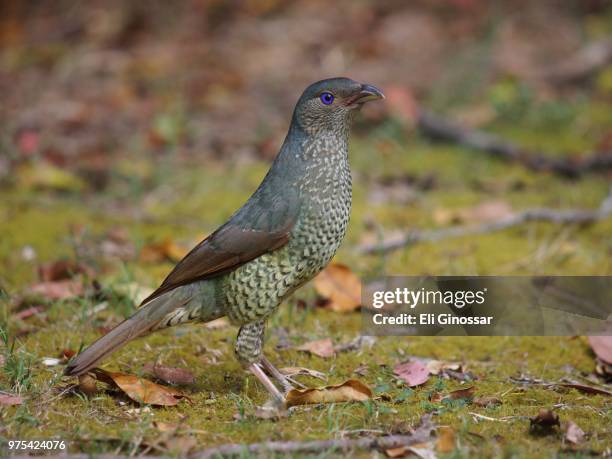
187 201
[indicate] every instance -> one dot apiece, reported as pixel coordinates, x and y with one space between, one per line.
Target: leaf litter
136 388
349 391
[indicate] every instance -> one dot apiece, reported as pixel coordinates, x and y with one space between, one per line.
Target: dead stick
316 446
530 215
439 128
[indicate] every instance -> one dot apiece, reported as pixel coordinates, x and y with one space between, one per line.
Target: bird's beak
369 92
365 94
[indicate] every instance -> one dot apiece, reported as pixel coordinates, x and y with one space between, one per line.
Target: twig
502 419
486 418
439 128
421 434
576 216
582 64
317 446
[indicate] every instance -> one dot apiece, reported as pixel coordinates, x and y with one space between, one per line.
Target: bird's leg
278 397
249 345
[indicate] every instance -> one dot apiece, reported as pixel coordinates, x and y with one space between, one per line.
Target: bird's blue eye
327 98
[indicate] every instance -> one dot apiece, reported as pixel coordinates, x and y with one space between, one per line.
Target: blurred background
133 125
130 130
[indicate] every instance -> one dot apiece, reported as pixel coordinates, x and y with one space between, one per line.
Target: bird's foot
277 397
286 382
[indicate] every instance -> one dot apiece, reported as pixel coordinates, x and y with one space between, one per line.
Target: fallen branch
421 433
582 64
310 447
581 217
438 128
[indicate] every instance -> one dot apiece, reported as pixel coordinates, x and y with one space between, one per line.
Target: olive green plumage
285 234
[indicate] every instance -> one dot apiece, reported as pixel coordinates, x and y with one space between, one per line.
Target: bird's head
328 105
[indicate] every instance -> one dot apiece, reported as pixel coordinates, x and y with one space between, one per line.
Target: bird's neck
313 162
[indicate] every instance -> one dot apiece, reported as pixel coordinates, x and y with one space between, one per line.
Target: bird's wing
262 225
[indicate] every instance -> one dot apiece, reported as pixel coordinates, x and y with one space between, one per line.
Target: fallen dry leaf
423 450
467 393
170 374
484 212
28 312
322 347
87 384
139 389
10 399
340 286
58 290
486 401
400 451
165 426
162 251
545 420
446 439
62 270
349 391
602 347
603 370
573 433
413 372
181 445
586 389
435 367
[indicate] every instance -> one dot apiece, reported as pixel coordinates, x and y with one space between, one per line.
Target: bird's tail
144 320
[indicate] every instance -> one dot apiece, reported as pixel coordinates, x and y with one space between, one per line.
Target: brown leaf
58 290
181 445
28 312
413 372
545 420
587 389
162 251
602 347
486 401
467 393
139 389
67 354
435 367
446 439
10 399
399 451
62 270
166 426
170 374
341 286
603 369
87 384
349 391
322 347
484 212
573 433
423 450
